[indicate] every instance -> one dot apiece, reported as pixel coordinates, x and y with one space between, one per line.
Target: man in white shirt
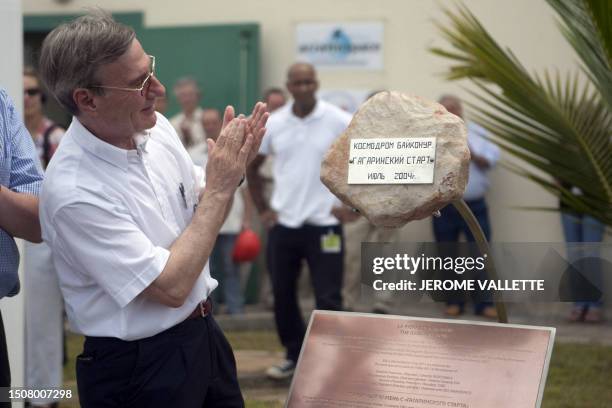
188 123
302 226
131 225
447 228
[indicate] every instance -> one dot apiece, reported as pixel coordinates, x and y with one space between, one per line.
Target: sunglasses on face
31 91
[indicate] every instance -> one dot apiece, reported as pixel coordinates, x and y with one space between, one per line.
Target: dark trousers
449 226
287 247
5 368
188 365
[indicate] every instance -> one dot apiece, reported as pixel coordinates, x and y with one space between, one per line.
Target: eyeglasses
141 88
31 91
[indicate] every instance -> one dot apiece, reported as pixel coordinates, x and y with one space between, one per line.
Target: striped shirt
20 171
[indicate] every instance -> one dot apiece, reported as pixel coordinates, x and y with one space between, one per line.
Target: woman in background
43 300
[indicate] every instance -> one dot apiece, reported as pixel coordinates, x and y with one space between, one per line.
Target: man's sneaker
281 371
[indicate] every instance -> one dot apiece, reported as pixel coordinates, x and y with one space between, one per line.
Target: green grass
580 375
254 340
262 404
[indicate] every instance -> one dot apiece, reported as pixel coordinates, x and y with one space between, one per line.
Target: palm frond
558 125
587 26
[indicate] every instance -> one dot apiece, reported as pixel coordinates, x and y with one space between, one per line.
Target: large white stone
393 115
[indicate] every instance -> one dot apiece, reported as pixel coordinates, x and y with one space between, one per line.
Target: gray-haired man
132 225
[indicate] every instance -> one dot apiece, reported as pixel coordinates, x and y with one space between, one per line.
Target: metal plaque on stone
392 161
363 360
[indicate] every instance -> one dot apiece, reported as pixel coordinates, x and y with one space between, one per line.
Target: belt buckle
203 311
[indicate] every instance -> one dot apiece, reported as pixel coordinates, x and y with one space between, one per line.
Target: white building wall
528 27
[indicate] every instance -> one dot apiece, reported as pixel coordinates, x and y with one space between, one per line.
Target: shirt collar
111 154
316 113
142 139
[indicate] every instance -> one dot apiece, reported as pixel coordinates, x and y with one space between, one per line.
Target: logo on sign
339 45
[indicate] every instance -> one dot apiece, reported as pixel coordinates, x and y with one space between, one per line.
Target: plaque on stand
354 360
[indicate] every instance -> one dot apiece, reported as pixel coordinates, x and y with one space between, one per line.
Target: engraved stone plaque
361 360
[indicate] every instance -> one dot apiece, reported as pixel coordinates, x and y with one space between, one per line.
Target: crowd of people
139 216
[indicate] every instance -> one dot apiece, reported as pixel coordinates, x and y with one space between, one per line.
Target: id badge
331 243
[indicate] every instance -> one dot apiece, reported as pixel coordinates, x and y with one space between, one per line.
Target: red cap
247 246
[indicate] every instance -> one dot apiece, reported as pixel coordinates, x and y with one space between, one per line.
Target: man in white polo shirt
131 225
302 225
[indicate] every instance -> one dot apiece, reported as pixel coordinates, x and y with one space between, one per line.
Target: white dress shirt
298 146
478 181
110 216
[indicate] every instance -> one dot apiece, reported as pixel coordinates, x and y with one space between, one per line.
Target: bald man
299 216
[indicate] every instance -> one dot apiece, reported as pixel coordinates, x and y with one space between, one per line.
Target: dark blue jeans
227 272
287 248
451 225
583 228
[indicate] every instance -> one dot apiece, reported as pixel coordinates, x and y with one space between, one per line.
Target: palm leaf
558 125
587 26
